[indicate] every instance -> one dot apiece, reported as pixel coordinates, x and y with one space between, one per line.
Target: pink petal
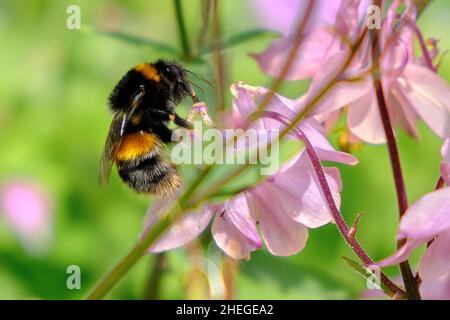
445 151
238 213
246 100
281 15
436 289
435 262
406 118
315 47
445 164
349 16
424 220
429 95
388 22
364 119
282 235
236 242
324 149
400 255
406 35
330 121
445 172
427 217
284 15
301 196
342 93
185 229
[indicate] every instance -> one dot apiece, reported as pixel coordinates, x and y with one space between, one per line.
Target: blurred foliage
53 121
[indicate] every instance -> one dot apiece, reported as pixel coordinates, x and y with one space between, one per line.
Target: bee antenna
200 77
197 86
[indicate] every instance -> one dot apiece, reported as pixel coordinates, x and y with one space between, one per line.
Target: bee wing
115 135
112 144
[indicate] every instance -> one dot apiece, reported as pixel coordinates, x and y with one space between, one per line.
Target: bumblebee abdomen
136 145
150 175
141 166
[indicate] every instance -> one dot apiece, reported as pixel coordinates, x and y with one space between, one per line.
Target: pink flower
27 210
234 229
319 41
411 86
284 205
412 90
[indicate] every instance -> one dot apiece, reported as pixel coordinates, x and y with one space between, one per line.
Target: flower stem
342 226
143 243
186 51
154 278
125 264
411 287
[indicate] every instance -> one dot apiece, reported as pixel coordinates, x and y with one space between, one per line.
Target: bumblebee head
175 75
171 71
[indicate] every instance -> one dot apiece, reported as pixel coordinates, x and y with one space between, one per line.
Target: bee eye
168 69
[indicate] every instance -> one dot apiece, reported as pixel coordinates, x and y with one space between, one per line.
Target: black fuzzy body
164 90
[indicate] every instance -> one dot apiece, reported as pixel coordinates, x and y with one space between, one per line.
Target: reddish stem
411 287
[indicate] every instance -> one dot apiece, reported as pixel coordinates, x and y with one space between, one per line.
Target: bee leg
162 114
181 122
164 133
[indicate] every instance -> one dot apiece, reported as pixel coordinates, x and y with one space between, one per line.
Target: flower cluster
413 89
283 206
361 66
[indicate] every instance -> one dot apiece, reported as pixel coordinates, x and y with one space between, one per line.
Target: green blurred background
54 84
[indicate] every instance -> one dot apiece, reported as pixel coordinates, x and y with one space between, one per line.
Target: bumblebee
143 103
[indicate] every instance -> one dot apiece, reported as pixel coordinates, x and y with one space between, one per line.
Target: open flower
320 41
411 86
284 206
412 90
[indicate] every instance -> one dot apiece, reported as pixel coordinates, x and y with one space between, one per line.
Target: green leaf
135 40
368 274
239 39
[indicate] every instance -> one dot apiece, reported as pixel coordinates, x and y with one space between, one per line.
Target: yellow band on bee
148 71
135 145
